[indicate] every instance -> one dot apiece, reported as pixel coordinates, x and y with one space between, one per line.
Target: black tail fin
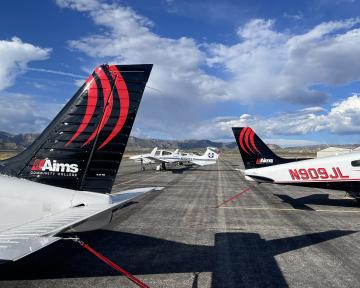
82 147
254 152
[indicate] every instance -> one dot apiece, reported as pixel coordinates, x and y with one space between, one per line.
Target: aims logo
264 161
47 165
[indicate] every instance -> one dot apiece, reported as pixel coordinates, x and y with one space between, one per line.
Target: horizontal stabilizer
23 240
203 162
127 195
14 249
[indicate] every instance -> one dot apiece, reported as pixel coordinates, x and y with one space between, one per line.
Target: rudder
254 152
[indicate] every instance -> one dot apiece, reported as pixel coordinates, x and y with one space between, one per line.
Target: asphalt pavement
184 236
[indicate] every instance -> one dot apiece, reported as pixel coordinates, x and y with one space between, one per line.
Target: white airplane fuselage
336 172
167 157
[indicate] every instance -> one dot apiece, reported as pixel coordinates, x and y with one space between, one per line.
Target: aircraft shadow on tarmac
236 259
316 199
179 169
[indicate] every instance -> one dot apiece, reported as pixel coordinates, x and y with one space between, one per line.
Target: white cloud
269 64
22 114
14 57
264 65
343 118
181 87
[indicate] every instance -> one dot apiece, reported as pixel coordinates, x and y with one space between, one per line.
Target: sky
288 69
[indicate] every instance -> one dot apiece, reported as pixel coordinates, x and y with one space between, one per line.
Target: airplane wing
156 160
203 162
22 240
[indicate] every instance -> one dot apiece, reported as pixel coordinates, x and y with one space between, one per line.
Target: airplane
210 156
341 172
149 158
163 157
63 181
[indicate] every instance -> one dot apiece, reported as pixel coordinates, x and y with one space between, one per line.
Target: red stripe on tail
124 104
247 134
108 105
90 107
241 138
252 135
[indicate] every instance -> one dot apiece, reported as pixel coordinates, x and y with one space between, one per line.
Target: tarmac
263 236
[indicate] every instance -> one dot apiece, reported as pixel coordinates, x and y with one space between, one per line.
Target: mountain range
21 141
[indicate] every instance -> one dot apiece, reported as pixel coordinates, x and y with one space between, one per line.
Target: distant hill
138 143
21 141
15 142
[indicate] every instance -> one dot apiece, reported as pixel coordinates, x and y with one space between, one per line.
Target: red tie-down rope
237 195
113 265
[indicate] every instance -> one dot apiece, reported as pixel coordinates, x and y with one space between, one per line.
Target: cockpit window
157 153
166 153
355 163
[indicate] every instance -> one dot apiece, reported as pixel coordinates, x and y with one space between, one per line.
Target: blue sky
289 69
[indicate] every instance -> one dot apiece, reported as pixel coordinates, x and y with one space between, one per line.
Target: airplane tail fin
211 153
152 153
210 157
254 152
83 146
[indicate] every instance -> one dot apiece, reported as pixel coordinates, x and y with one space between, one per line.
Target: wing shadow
236 259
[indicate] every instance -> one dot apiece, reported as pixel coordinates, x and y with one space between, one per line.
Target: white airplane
163 157
156 156
62 182
340 172
210 156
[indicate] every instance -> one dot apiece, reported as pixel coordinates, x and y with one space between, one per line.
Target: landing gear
142 165
355 195
161 167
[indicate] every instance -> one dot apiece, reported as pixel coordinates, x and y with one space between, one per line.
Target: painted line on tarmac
292 209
